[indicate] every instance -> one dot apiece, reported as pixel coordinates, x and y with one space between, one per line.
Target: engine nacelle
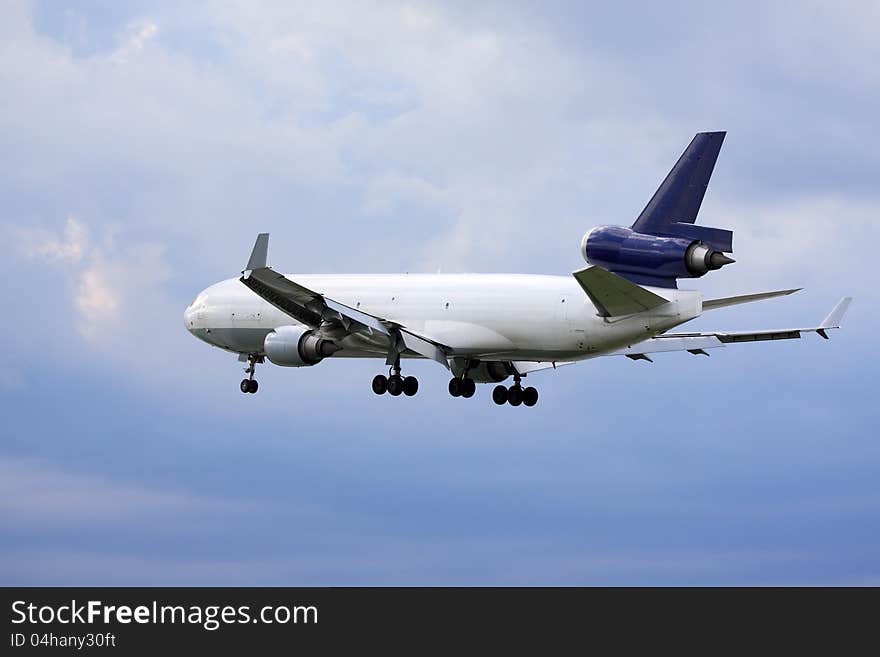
296 346
623 250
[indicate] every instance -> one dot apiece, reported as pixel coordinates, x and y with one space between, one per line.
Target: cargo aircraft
496 328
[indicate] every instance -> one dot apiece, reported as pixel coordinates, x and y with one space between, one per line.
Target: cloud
115 290
110 284
50 247
135 38
407 137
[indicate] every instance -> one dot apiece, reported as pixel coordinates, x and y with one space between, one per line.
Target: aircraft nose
193 313
189 318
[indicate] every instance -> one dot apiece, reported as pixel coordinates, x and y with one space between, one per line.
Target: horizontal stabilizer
615 296
711 304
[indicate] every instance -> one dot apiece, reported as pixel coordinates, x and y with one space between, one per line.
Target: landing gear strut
250 384
395 384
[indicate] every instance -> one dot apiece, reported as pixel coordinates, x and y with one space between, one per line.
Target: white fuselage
519 317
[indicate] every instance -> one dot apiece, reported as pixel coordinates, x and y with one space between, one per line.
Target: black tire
530 396
380 384
245 385
395 385
514 395
455 387
253 386
410 386
468 388
499 395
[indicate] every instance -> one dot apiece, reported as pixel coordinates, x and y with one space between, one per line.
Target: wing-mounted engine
297 346
664 243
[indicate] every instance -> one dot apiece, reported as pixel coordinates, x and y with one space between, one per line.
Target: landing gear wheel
499 395
530 396
410 386
468 388
514 395
455 387
380 384
395 385
249 384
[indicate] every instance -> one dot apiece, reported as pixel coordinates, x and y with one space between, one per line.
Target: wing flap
424 347
613 295
760 336
661 344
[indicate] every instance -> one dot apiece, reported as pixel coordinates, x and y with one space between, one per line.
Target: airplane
490 328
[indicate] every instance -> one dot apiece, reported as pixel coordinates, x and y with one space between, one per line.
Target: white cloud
136 37
47 246
386 192
108 282
814 241
494 140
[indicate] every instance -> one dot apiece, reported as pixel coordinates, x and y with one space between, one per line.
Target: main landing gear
395 384
515 394
250 384
463 386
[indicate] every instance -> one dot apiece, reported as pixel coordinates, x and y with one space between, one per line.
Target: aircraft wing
696 343
318 311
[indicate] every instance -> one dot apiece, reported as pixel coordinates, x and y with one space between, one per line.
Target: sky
144 145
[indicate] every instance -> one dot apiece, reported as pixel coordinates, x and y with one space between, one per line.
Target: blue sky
143 147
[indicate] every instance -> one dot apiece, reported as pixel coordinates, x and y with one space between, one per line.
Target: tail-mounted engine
665 243
650 259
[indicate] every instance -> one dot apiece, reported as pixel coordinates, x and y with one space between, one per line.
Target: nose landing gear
250 385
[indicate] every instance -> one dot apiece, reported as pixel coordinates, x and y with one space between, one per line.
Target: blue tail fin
673 209
665 244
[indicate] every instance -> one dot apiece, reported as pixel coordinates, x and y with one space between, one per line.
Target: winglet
258 255
834 317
